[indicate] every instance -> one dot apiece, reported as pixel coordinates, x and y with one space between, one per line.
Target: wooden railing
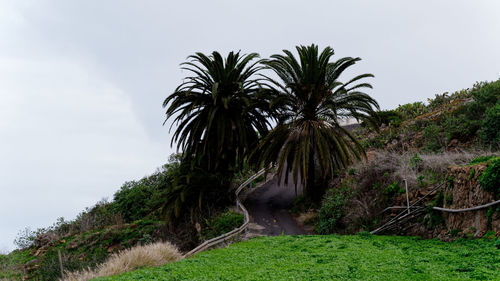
226 236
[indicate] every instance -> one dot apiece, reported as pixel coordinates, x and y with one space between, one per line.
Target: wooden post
407 198
60 263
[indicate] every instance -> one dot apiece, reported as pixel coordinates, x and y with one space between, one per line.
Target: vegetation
222 223
467 118
490 178
331 257
141 256
311 102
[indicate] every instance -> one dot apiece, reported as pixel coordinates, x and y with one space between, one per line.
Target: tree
311 102
220 111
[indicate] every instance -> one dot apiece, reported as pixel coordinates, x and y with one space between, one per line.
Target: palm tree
220 111
311 101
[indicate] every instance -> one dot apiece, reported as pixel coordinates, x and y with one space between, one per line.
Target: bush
433 138
490 127
411 110
389 117
490 178
393 189
221 224
139 199
487 94
331 210
138 257
483 159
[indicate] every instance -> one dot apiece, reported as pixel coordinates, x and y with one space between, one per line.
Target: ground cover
334 257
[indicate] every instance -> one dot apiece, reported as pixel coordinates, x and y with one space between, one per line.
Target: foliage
484 159
221 224
331 210
490 178
393 189
433 138
333 257
490 126
139 199
221 111
311 100
389 117
91 248
411 110
415 161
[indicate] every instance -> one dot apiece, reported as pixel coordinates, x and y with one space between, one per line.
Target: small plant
450 182
448 198
415 161
393 189
221 224
472 173
454 232
490 178
331 210
420 180
351 172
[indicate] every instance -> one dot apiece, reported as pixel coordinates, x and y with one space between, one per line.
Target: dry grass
385 168
140 256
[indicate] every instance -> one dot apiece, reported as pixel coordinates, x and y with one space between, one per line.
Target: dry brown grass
385 168
140 256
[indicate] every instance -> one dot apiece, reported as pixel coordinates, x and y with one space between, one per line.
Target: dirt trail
268 206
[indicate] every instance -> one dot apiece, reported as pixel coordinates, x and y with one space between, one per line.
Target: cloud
67 137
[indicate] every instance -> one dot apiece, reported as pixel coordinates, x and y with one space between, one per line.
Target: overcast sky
82 82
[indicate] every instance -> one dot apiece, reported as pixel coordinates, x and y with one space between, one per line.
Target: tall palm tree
312 100
220 111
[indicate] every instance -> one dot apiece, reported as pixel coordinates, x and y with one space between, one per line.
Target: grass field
357 257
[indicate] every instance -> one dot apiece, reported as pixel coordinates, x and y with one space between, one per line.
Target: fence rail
226 236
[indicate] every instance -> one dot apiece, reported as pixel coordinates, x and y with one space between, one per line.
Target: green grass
11 265
333 257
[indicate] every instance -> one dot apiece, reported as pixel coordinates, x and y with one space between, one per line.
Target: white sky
82 82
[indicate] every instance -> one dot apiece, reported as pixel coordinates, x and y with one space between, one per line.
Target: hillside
332 257
453 138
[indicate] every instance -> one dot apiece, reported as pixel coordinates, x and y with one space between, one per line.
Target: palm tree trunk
310 190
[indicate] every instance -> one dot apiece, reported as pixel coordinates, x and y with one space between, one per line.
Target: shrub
487 94
331 210
411 110
490 178
221 224
389 117
138 257
483 159
461 127
490 127
138 199
433 138
393 189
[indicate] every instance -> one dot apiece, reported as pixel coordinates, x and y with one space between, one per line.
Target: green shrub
331 210
393 189
138 199
461 127
221 224
411 110
389 117
483 159
415 161
490 178
490 127
487 94
433 138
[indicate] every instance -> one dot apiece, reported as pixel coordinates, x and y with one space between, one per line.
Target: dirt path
268 206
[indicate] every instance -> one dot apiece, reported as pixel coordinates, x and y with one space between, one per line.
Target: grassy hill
333 257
